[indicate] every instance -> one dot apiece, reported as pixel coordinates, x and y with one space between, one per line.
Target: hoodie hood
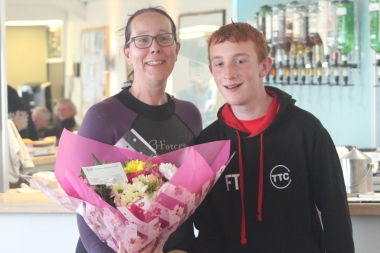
281 102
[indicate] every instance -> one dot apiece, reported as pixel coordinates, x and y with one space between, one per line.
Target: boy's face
237 72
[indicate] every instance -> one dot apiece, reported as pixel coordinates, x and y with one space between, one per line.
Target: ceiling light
35 23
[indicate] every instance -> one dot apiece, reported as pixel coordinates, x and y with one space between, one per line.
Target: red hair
240 32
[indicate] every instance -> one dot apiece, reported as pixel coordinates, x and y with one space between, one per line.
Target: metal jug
357 172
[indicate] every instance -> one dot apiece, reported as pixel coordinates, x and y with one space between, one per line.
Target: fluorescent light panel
34 23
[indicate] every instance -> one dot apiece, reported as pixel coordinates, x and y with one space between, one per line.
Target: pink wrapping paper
199 168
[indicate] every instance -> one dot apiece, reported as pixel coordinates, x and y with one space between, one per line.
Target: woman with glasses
143 109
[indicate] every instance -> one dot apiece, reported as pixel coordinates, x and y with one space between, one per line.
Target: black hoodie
266 200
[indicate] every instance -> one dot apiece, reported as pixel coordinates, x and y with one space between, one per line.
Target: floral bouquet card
125 196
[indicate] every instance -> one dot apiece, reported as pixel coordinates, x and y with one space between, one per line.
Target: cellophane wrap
199 167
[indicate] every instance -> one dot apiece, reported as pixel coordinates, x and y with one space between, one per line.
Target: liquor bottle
323 10
262 25
289 19
375 31
271 49
290 25
346 27
284 42
278 39
316 39
301 38
254 21
332 34
265 13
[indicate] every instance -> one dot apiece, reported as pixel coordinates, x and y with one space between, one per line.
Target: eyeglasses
145 41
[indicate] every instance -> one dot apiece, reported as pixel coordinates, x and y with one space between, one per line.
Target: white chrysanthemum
126 199
141 178
118 188
168 170
137 187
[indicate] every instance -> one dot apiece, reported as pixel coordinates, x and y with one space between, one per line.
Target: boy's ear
266 64
209 67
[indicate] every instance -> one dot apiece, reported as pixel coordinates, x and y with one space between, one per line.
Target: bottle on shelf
254 21
278 39
332 34
265 18
271 48
291 23
374 20
323 10
314 37
284 43
301 39
346 29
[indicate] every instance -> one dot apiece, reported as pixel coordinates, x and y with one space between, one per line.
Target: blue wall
344 111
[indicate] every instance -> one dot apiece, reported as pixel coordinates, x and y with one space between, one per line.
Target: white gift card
111 173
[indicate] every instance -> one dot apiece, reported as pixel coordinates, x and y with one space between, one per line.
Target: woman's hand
20 119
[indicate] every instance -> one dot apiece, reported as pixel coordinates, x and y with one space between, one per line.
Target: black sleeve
330 195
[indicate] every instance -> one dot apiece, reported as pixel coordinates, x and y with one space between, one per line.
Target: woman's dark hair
127 28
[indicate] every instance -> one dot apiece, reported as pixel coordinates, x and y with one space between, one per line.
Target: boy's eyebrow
235 55
215 57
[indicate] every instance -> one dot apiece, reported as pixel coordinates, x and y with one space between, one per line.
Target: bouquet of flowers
143 180
148 200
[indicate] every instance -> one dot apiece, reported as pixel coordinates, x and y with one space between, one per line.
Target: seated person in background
41 117
65 110
20 114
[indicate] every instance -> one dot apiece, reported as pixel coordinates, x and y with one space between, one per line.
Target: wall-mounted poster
54 45
94 74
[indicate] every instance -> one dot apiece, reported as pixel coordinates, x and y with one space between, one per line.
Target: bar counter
36 202
364 209
14 202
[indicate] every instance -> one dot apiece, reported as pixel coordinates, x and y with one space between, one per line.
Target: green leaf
96 160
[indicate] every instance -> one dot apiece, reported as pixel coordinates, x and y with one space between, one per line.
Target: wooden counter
14 202
42 160
42 163
364 208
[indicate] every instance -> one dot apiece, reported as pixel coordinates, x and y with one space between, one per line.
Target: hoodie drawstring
243 239
261 180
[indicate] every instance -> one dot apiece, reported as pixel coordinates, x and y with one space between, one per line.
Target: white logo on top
280 177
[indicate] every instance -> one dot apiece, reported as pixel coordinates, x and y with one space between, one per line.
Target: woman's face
155 63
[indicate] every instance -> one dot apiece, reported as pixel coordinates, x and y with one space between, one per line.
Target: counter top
364 208
41 160
46 159
14 202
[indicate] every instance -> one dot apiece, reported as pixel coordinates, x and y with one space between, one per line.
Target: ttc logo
280 177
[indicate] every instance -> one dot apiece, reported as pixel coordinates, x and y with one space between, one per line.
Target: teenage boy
285 168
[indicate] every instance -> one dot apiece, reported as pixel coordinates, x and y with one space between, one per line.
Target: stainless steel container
357 172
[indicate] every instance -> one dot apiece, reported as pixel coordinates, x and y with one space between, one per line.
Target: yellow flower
134 166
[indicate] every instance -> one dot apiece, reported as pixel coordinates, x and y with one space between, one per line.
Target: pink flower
157 211
178 190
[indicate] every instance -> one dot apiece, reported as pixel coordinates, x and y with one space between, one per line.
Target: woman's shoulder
107 112
185 105
189 114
